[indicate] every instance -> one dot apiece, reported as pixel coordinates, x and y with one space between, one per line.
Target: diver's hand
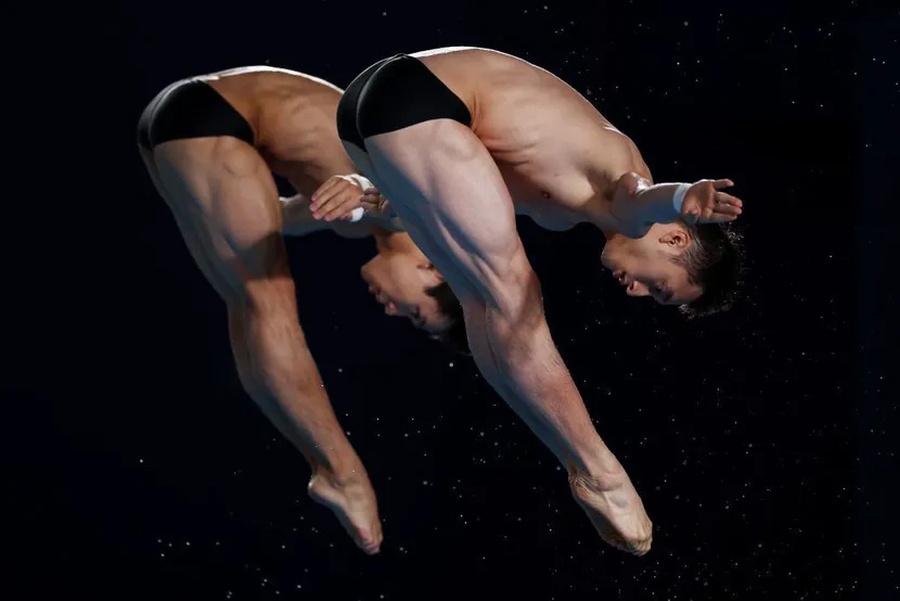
637 204
705 202
336 199
374 202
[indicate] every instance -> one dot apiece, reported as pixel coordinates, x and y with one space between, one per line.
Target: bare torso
294 118
558 155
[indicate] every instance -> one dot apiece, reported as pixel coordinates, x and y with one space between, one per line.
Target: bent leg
463 217
455 192
226 205
439 172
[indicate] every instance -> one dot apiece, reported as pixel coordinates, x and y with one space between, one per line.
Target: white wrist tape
678 197
358 213
360 181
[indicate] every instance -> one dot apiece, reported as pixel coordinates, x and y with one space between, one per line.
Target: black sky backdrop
762 441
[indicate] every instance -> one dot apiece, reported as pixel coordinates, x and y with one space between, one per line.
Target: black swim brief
190 108
394 93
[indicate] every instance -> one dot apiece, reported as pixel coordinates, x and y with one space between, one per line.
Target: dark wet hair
455 335
714 261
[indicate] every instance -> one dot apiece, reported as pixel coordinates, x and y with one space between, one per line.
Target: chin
607 260
366 272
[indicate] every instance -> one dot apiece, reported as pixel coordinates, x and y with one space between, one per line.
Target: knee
515 294
271 298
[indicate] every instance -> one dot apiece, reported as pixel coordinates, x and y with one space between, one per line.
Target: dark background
762 441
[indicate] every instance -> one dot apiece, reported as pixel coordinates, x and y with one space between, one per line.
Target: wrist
360 181
660 203
678 197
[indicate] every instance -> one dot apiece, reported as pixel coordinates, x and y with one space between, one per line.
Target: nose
391 309
637 289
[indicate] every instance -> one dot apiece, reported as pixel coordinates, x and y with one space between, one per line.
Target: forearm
660 203
297 220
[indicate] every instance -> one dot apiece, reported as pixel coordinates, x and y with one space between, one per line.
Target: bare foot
352 500
615 510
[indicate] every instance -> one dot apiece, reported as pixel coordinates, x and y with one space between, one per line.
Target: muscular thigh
194 238
441 177
226 205
412 220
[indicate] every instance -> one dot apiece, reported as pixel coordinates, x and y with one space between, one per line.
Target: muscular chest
553 195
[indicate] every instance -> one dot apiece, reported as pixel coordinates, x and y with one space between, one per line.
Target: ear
676 239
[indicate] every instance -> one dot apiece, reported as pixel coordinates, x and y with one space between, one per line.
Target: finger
721 197
328 185
379 205
718 218
324 199
722 183
337 195
341 211
325 205
337 205
343 205
726 209
370 201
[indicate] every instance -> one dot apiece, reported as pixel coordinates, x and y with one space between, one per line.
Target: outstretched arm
638 203
299 221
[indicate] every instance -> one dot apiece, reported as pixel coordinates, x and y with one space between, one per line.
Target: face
644 266
398 281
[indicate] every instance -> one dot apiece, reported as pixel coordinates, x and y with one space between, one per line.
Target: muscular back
556 152
294 118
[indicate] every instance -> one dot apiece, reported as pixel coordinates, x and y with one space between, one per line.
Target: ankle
599 467
340 474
